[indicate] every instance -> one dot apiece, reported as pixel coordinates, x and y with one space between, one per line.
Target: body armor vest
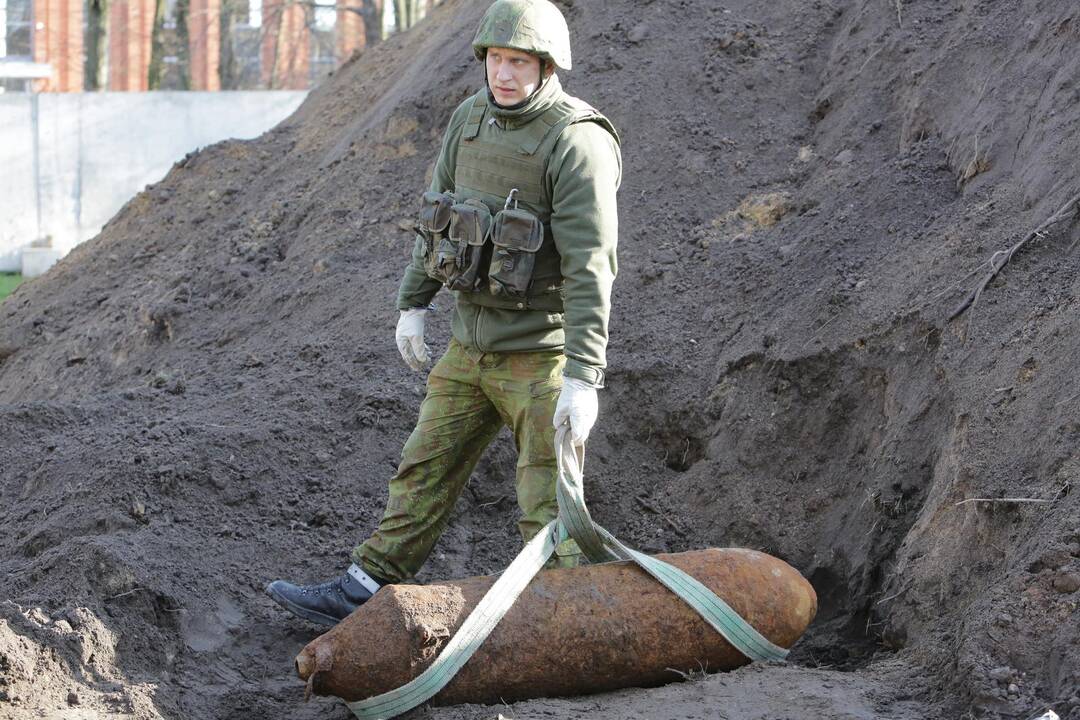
492 161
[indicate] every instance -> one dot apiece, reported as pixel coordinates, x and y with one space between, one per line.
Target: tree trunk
373 21
154 71
399 15
96 43
406 14
183 51
228 71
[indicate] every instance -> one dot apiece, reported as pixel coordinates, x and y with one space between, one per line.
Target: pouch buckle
511 198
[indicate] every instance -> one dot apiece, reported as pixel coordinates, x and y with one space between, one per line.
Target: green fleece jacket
583 173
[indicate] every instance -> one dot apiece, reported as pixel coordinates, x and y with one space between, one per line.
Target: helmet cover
533 26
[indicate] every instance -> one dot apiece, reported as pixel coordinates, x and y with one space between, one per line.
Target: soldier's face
512 75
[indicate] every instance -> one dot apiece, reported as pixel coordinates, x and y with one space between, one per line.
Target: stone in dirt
1067 582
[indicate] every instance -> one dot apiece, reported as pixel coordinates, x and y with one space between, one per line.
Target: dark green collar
531 107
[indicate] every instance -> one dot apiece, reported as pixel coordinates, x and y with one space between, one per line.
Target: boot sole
301 612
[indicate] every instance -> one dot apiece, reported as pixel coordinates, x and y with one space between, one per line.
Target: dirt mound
207 395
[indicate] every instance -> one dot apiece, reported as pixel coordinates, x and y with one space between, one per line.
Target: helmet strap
543 78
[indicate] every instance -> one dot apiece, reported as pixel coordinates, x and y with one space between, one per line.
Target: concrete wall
69 161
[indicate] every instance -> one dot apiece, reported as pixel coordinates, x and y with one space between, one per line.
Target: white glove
410 338
577 403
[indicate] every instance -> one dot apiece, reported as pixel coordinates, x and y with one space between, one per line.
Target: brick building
137 45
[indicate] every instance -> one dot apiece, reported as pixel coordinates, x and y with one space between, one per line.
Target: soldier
520 223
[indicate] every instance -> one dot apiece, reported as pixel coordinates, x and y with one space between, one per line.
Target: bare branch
1003 500
1002 257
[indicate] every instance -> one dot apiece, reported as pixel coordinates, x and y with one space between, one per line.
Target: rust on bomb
571 632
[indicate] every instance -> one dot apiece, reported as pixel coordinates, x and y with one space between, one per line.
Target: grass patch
764 210
8 283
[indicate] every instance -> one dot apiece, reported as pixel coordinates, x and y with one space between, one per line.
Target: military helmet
533 26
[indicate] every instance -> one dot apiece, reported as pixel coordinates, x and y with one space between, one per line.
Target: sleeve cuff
590 374
408 304
419 298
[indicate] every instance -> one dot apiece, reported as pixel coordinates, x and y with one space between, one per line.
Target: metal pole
79 171
35 122
3 28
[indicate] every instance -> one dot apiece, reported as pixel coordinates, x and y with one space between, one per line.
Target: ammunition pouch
461 252
491 261
434 220
517 235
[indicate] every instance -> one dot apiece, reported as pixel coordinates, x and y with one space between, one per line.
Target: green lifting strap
598 545
603 545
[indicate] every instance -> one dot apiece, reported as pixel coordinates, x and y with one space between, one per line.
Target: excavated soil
207 395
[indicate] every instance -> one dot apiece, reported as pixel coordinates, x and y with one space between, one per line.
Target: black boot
329 602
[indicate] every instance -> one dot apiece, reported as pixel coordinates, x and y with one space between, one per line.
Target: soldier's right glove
410 338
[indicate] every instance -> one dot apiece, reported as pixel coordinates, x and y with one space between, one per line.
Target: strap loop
598 545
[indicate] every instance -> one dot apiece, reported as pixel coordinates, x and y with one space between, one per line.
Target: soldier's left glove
577 403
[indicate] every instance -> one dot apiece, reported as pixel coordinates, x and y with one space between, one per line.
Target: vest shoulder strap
557 118
475 118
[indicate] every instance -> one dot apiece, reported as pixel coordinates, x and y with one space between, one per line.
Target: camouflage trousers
470 396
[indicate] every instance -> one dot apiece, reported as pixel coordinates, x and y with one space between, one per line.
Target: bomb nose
305 664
